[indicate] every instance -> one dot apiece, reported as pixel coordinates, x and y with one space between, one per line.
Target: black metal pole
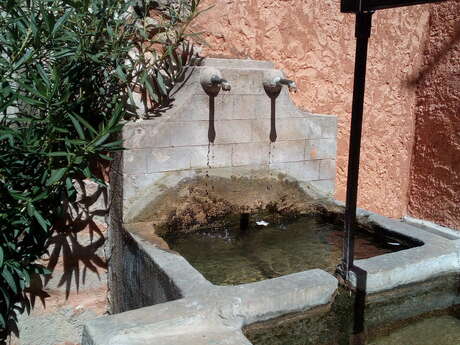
363 31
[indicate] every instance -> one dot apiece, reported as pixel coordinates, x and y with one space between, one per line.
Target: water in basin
230 256
439 330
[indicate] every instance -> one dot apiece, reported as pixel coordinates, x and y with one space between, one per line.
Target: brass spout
289 83
225 85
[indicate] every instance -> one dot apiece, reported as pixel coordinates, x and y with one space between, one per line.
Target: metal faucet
289 83
217 80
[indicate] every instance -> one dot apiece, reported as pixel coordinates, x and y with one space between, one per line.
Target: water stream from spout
210 156
271 149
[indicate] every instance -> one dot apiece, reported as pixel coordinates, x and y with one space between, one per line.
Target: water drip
271 148
208 166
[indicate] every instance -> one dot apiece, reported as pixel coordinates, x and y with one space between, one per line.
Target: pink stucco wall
435 172
314 44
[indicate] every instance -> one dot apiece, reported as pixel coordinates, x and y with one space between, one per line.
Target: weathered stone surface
436 256
212 315
232 132
287 151
224 105
450 234
250 153
135 161
143 134
193 202
168 159
326 187
302 171
327 169
210 156
320 149
189 133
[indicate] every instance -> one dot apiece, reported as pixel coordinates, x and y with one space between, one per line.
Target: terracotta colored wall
314 44
435 172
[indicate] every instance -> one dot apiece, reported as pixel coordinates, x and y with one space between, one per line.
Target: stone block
168 159
286 129
135 184
135 161
211 156
287 151
284 107
250 153
302 171
195 110
326 187
189 133
260 131
262 106
327 169
244 106
233 131
320 149
327 124
294 129
223 106
146 133
244 82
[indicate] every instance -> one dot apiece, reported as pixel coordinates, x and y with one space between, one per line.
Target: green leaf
105 157
23 59
120 73
43 223
85 123
87 172
113 144
1 256
30 209
56 175
101 140
30 101
149 87
5 297
9 279
161 84
78 127
60 154
60 21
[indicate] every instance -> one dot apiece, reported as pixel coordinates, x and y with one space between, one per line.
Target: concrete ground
75 292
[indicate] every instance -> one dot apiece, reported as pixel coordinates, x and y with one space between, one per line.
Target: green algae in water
229 256
438 330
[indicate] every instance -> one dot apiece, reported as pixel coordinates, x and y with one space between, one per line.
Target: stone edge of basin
208 312
437 255
218 313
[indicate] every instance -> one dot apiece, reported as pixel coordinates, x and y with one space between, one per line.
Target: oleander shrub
68 72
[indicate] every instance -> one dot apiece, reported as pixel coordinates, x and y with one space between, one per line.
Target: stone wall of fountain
251 136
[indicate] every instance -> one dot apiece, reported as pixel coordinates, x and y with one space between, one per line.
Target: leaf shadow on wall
76 249
435 60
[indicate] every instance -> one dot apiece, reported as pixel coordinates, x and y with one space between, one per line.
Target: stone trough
158 297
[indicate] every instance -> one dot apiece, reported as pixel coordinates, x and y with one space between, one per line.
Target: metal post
363 31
